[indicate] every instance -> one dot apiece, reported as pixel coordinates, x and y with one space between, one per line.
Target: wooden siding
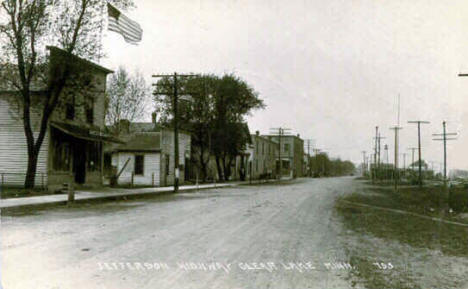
13 147
167 147
151 168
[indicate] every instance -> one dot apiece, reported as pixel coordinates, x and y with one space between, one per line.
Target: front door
79 162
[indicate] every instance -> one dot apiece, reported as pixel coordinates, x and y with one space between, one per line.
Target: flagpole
103 3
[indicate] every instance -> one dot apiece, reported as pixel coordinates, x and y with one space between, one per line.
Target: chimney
153 117
257 132
298 135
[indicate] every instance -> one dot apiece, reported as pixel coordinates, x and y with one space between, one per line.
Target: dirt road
268 236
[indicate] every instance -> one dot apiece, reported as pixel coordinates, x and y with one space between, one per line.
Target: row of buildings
78 147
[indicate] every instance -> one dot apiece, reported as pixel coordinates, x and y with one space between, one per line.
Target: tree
26 27
215 116
233 100
127 95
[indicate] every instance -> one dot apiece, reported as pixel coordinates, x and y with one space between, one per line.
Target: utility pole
175 102
378 141
444 138
363 163
374 175
316 151
419 122
386 153
397 174
404 161
279 132
412 157
309 171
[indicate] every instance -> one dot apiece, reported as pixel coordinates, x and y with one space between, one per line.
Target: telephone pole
308 141
419 122
374 175
412 157
175 102
397 174
404 161
444 138
280 131
378 141
363 163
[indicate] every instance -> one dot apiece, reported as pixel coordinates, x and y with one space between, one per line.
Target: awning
84 133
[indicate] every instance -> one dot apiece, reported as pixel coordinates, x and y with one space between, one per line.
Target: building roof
284 136
60 52
265 138
142 127
142 142
86 133
38 84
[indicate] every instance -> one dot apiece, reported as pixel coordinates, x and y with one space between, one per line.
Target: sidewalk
109 193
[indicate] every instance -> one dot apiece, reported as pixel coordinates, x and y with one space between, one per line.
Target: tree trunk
218 166
242 168
203 164
227 167
203 169
31 171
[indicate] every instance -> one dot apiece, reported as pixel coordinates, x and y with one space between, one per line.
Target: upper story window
89 110
286 147
70 107
70 111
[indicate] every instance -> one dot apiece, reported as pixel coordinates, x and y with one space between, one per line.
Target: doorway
79 163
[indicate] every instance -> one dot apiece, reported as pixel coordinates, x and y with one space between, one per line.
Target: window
89 108
286 147
139 164
93 156
61 157
70 111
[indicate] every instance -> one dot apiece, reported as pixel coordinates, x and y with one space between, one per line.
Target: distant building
456 173
72 147
147 156
292 154
263 156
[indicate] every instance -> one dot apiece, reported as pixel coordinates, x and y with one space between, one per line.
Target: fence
16 180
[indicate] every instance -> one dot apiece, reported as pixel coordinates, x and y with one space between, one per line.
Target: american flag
118 22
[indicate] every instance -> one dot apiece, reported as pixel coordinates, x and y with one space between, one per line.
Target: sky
330 70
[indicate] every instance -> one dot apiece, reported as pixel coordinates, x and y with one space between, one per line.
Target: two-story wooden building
263 157
73 144
292 154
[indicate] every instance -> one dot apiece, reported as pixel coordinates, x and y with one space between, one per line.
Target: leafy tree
127 95
26 27
321 165
215 116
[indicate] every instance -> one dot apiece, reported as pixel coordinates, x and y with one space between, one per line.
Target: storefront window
93 156
61 156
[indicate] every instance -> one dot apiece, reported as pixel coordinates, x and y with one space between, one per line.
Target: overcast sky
329 70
